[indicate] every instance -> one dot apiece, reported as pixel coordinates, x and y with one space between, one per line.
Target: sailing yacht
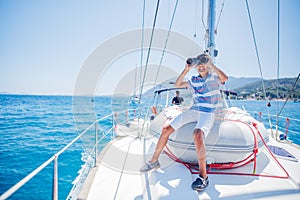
245 159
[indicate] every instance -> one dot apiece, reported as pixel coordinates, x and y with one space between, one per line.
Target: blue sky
43 44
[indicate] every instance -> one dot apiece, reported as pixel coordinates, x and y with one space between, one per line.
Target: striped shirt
206 96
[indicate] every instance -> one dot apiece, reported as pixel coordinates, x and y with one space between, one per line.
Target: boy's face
202 69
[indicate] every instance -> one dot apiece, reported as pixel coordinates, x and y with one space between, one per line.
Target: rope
232 165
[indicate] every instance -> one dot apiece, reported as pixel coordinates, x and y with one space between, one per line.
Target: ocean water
33 128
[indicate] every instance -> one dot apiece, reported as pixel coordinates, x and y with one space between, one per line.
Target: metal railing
283 126
54 159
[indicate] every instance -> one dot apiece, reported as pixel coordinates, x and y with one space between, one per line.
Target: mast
211 29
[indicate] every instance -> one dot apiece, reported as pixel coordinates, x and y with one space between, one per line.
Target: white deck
118 177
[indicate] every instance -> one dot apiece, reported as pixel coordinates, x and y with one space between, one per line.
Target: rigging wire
290 93
256 49
258 60
161 59
148 54
221 11
195 17
202 18
146 65
166 42
278 66
278 45
141 58
142 42
278 59
195 25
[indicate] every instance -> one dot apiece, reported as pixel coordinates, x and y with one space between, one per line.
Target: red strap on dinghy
212 168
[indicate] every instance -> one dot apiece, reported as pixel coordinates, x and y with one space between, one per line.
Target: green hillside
255 89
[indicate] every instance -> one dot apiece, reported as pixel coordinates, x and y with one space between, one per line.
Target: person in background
178 99
206 100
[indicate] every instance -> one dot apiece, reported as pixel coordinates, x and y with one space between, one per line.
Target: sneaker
149 166
200 183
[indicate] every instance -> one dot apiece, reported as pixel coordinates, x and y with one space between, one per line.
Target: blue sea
33 128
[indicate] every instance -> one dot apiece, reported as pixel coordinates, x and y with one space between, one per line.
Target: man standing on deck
178 99
205 99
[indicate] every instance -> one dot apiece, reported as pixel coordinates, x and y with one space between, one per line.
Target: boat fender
154 110
282 136
152 117
287 124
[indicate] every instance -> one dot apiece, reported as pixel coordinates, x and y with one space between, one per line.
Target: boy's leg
163 139
201 152
204 124
184 118
202 181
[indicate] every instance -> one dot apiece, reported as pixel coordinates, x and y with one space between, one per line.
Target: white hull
117 176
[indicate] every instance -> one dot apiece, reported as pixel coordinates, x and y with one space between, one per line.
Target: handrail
272 115
54 158
275 117
167 89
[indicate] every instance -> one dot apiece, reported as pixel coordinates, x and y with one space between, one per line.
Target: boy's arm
221 75
180 83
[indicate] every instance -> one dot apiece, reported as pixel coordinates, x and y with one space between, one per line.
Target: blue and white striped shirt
206 96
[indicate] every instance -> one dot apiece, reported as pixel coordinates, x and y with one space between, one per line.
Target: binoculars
201 59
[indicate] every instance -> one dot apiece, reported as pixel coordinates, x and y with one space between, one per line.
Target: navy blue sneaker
200 183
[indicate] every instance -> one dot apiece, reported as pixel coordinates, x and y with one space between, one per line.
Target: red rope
271 153
255 150
193 167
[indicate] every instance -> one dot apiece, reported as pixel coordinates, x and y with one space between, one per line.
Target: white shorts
205 120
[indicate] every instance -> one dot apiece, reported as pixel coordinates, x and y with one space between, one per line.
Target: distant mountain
255 89
234 83
248 87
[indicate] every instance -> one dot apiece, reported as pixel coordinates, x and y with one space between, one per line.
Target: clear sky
43 44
